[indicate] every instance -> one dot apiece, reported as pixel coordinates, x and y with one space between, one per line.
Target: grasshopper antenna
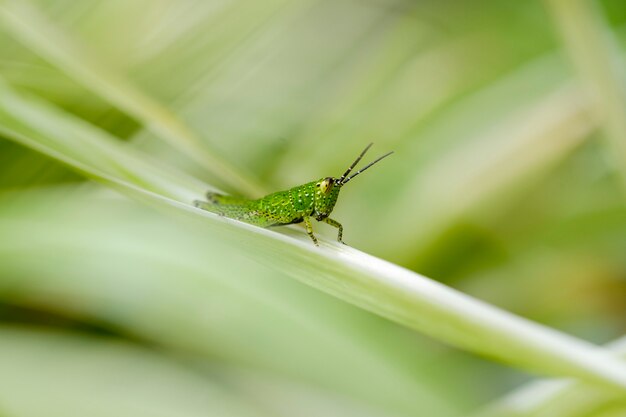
345 174
364 168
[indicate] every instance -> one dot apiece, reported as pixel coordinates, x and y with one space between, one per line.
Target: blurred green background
508 183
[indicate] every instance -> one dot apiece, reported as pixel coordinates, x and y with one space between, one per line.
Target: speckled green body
314 199
280 208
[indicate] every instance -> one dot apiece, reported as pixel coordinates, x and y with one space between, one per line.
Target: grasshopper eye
326 185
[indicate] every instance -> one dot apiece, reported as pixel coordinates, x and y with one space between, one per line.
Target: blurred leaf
594 50
29 26
21 167
60 375
559 398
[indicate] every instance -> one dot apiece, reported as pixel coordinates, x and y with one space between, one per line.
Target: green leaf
558 398
56 374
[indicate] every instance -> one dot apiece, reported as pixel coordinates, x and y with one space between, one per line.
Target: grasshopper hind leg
213 203
221 199
206 206
215 198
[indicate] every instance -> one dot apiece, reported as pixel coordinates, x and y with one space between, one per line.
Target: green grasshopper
314 199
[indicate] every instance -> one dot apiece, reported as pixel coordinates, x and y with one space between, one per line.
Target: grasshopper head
326 193
327 189
327 184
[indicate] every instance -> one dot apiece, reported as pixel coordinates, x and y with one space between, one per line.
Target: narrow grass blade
557 398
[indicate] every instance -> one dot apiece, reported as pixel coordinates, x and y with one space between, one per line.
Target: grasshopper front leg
309 230
338 225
